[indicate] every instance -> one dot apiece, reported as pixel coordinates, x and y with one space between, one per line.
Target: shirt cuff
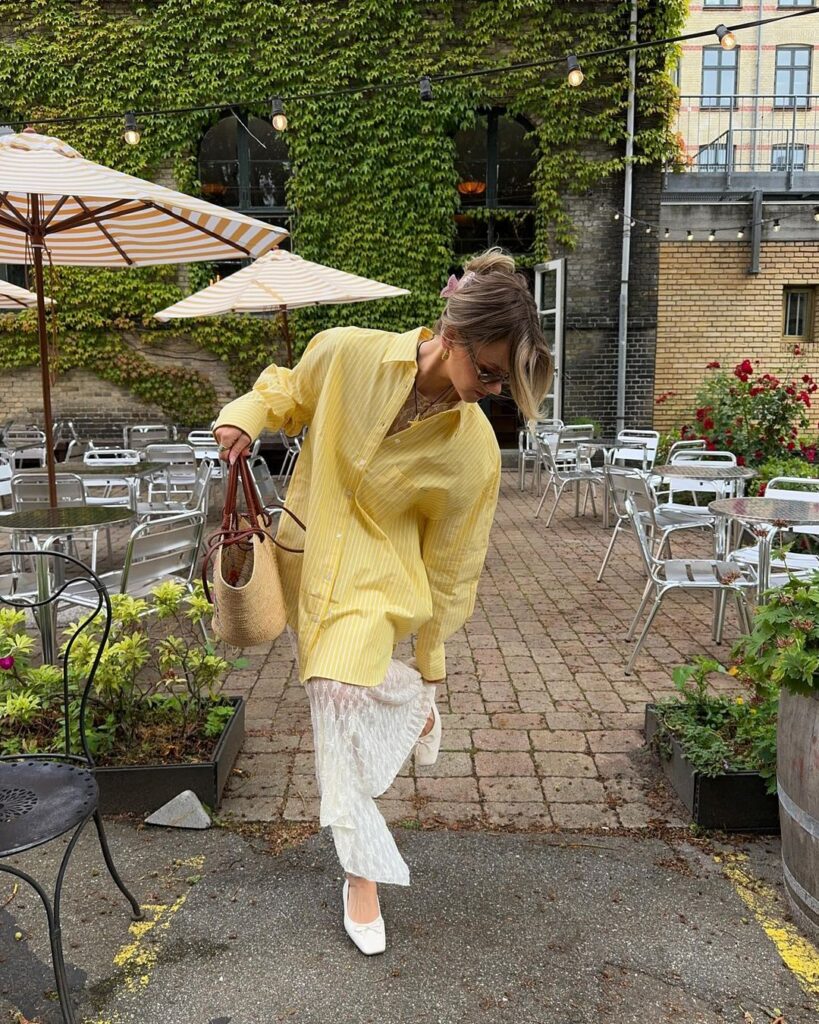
432 662
247 413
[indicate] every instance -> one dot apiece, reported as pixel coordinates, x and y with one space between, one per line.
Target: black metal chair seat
40 800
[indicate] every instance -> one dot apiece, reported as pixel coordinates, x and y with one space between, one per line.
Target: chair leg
543 497
644 633
558 493
112 871
639 613
609 549
590 494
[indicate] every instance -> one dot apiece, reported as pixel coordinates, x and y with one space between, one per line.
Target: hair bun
491 260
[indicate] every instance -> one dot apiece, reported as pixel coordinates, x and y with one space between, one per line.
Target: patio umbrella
279 281
14 297
54 202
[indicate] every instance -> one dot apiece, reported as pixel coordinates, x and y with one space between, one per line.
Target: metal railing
748 133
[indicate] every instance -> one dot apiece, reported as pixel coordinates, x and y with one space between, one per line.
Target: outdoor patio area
542 727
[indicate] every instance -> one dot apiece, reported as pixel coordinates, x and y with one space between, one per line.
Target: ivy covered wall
373 185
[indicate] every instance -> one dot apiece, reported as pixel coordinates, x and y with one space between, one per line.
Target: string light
816 213
667 233
740 232
648 229
425 89
776 225
617 215
712 234
727 39
575 76
132 133
689 236
278 118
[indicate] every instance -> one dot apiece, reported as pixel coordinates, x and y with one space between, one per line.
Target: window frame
809 291
736 4
714 100
782 100
795 3
797 168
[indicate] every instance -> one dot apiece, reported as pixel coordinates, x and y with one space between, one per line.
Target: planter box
141 789
734 802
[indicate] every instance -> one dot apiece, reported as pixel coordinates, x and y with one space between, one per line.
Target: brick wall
592 304
710 307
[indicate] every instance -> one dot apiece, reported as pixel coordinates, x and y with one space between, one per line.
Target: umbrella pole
46 378
287 338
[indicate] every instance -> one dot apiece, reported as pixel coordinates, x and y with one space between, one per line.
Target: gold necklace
429 404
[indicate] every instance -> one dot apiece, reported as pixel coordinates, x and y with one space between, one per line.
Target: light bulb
575 76
617 215
689 237
667 233
278 118
648 230
741 233
132 133
776 225
727 39
816 213
712 235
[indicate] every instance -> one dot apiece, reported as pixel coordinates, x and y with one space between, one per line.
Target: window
714 157
495 161
719 76
797 318
722 3
15 273
792 81
789 158
795 3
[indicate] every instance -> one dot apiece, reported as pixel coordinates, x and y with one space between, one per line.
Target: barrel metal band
800 891
799 815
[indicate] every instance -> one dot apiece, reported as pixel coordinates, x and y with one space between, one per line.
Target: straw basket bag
248 603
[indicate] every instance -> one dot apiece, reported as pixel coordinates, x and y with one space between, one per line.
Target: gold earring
445 354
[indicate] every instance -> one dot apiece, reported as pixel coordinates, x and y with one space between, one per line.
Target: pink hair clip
454 283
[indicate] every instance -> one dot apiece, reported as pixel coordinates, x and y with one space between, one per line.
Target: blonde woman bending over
397 482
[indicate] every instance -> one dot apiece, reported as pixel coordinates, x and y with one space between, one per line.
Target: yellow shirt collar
402 348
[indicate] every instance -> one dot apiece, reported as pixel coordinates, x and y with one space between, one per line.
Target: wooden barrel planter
797 759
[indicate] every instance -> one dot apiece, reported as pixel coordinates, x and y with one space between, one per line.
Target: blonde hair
492 303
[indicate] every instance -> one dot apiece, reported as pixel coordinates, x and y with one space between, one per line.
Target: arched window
495 163
244 164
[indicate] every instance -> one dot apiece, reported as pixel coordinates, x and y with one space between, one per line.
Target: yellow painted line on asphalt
797 952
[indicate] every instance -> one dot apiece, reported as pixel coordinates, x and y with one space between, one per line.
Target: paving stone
500 739
565 764
503 763
511 789
573 790
583 816
450 813
462 789
450 764
517 815
615 741
567 740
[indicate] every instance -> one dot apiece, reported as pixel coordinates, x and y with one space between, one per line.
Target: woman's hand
232 442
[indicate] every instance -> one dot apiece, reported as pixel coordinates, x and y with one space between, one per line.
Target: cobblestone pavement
541 726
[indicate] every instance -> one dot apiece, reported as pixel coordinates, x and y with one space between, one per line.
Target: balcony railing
749 133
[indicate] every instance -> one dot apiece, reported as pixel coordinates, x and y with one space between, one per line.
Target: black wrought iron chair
44 796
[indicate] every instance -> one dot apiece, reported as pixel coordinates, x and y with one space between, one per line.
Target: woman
397 483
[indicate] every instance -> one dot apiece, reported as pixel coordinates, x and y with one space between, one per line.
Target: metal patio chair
263 479
667 574
560 478
179 473
693 487
660 523
640 455
24 444
548 431
292 449
46 796
139 435
198 501
786 488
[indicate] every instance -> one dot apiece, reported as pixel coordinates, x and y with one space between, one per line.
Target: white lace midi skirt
362 736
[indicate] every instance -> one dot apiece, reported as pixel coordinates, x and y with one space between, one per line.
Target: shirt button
362 462
328 575
348 494
338 536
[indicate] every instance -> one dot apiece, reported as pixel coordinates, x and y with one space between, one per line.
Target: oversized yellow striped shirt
397 527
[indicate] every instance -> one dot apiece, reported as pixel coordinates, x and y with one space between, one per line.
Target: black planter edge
734 802
142 789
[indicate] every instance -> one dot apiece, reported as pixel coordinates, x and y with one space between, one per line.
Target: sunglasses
487 376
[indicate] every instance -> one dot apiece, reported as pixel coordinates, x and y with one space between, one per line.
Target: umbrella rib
78 220
200 227
271 291
14 225
55 209
106 232
12 298
14 211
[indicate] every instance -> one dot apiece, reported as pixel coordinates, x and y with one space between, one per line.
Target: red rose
797 351
740 460
708 424
791 446
756 391
762 488
714 365
758 456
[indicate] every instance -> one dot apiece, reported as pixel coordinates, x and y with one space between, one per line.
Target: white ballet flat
370 938
428 745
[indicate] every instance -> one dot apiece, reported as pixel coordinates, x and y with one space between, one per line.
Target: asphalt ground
563 927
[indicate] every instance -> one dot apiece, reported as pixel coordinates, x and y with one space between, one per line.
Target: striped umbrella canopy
12 296
55 204
279 281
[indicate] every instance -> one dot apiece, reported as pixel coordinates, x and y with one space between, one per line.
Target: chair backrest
162 549
202 439
18 435
94 624
292 444
637 446
5 477
200 492
682 446
112 457
171 454
31 489
577 432
623 482
704 457
138 435
721 488
263 478
795 488
549 433
640 511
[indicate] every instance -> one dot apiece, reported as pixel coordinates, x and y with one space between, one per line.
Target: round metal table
44 526
765 516
716 471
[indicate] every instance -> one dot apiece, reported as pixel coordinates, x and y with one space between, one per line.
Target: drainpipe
622 323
